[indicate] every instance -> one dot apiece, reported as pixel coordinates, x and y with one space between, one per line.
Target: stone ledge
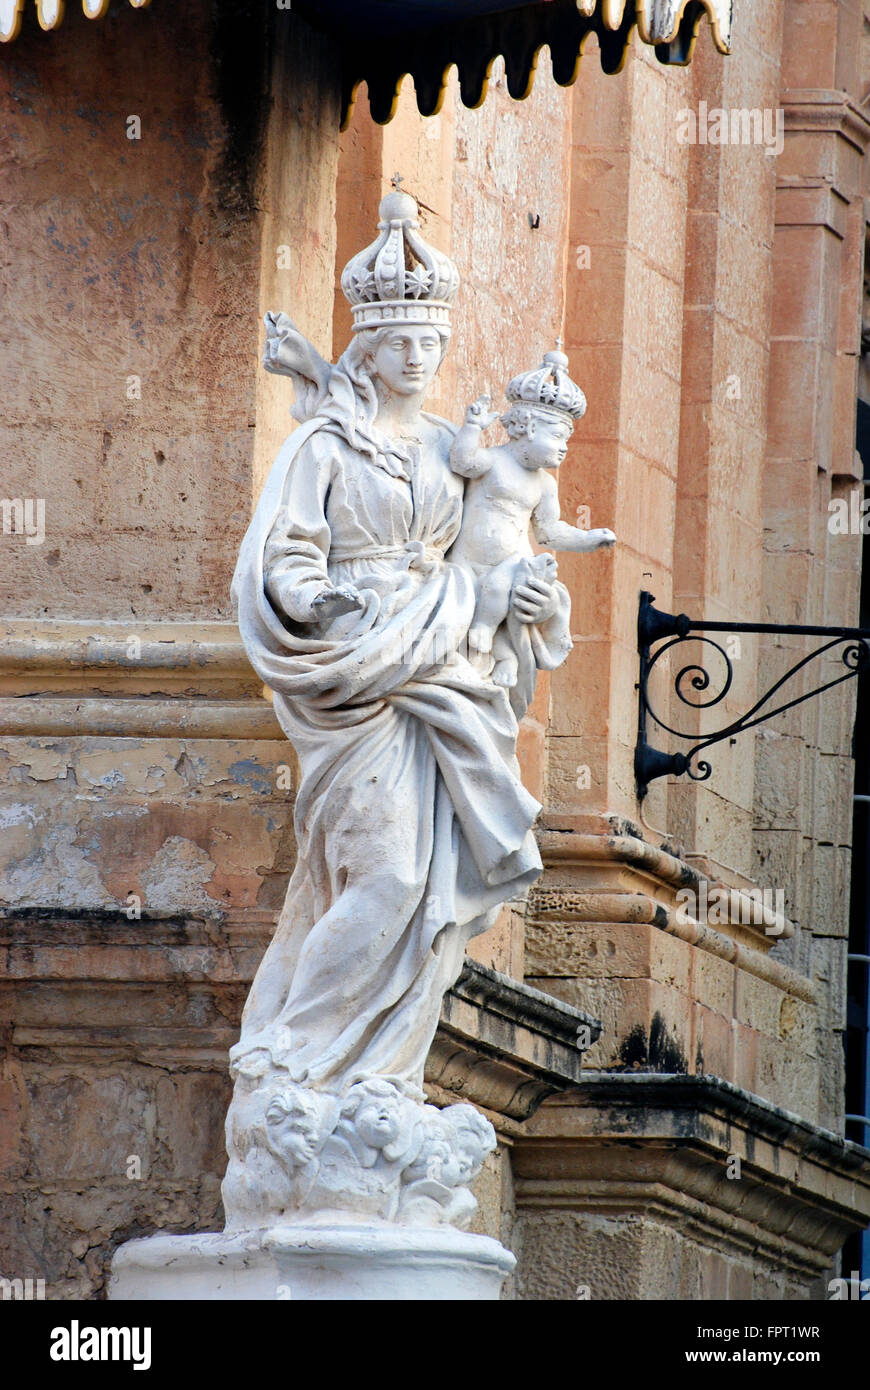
695 1096
648 1147
617 867
126 679
142 716
507 1046
827 112
48 654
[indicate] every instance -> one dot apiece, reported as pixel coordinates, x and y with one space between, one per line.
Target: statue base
344 1263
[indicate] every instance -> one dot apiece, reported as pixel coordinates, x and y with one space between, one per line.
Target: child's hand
601 537
479 413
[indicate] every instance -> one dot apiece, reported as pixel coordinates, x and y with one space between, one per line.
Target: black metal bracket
670 631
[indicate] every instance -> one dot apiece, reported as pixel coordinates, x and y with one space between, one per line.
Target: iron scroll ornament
672 631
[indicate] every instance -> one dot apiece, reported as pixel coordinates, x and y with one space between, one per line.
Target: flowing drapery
411 820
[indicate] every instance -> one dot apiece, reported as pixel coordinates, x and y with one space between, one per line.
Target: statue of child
509 486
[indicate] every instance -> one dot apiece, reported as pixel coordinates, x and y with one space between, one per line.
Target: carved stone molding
818 174
819 109
173 679
615 876
505 1045
759 1192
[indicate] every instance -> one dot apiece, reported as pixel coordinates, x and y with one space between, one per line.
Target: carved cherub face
473 1139
293 1129
377 1123
443 1164
546 440
407 357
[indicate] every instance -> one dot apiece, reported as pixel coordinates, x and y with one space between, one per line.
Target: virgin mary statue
411 820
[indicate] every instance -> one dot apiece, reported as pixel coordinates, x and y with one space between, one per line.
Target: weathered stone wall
132 405
803 794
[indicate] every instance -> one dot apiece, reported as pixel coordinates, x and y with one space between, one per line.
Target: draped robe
412 823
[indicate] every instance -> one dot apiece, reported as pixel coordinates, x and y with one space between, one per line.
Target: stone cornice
505 1045
698 1099
66 679
46 642
637 881
824 111
138 717
658 1146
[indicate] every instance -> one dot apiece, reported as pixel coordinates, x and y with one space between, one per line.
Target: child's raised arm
549 529
467 456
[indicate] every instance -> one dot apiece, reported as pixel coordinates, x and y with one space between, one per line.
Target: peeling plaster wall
185 826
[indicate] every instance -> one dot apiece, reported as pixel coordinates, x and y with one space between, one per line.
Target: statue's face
407 358
377 1124
546 444
293 1135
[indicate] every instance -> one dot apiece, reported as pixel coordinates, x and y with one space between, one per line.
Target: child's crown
549 387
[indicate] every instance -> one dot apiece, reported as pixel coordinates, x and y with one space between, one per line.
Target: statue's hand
479 413
534 600
279 355
602 537
331 602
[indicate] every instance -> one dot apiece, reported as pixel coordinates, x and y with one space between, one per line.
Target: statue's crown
399 278
548 387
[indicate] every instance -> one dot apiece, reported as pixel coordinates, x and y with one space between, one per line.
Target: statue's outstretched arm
549 529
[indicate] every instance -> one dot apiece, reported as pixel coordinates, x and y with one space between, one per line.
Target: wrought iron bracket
668 631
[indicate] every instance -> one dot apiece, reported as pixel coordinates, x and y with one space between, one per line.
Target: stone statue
509 487
399 616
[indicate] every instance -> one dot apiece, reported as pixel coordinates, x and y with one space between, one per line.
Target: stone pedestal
343 1263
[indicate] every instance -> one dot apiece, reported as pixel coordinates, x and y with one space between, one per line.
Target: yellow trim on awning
472 42
50 14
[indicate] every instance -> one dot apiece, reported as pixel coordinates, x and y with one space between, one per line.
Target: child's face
467 1159
293 1134
376 1124
547 442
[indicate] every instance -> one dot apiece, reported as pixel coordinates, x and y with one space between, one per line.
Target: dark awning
382 40
379 41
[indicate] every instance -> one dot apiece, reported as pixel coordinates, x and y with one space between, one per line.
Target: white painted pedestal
345 1263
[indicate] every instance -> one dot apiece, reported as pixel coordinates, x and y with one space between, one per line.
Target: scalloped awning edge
382 56
518 35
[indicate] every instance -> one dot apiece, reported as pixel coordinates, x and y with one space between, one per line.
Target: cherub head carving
294 1126
473 1138
379 1118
